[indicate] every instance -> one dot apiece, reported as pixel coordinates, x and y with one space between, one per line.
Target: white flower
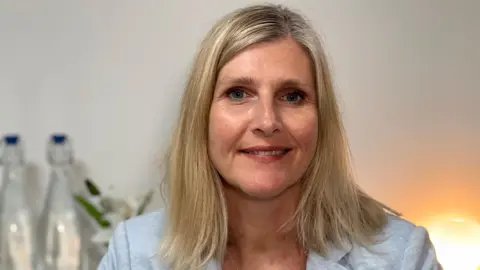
95 201
115 211
103 236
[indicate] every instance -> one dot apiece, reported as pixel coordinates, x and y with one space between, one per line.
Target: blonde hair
332 210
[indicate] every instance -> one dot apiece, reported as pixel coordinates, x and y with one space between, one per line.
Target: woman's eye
293 97
236 94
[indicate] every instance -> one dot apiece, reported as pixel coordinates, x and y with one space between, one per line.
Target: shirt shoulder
400 245
134 244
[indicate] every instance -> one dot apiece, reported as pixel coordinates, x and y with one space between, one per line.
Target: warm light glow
457 242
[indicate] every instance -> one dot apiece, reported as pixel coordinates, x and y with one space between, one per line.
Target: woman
258 170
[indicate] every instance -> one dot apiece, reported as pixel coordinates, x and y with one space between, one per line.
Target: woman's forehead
282 62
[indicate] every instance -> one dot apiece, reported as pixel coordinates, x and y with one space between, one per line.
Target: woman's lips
266 154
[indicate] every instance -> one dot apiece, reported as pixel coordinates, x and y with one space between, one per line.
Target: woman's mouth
266 153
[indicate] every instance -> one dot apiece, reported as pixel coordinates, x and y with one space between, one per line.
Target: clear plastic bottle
17 240
60 232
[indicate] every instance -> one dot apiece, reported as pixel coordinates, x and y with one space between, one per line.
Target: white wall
110 74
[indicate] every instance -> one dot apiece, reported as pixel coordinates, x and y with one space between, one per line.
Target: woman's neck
256 228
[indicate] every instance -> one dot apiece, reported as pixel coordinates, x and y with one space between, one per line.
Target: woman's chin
263 191
263 194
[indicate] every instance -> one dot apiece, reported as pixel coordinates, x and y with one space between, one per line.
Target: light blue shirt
134 246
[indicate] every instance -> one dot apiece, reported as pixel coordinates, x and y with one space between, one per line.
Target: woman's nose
266 120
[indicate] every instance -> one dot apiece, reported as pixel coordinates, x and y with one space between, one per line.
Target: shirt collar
314 261
333 260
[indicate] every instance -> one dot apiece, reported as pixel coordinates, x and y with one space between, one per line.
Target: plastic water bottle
17 245
61 236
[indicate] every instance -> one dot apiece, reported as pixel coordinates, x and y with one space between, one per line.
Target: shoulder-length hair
332 209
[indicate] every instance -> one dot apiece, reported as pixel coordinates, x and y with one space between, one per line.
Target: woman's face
263 119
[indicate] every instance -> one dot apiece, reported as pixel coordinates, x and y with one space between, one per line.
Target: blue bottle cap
59 138
11 139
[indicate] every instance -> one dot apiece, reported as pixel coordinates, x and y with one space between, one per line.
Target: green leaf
93 211
146 201
92 188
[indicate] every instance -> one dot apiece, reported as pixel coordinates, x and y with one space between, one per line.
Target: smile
266 154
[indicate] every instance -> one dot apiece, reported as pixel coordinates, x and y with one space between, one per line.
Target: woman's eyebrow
232 80
250 81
